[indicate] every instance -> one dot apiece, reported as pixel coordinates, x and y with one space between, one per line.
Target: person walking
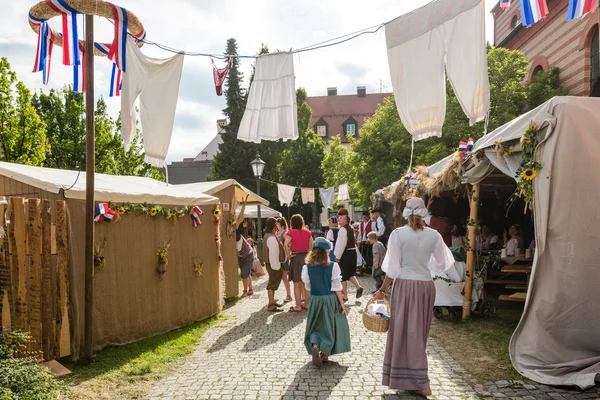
245 261
366 248
327 331
298 241
282 229
345 254
378 256
332 234
272 252
413 251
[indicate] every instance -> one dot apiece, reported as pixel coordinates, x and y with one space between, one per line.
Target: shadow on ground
322 381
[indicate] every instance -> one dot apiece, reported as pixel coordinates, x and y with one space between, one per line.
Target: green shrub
23 378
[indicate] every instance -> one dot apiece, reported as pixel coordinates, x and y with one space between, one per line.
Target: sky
204 26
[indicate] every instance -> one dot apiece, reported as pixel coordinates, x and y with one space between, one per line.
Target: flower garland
163 260
99 260
199 269
447 280
150 209
528 170
217 215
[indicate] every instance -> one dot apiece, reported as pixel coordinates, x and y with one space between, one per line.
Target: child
378 255
327 330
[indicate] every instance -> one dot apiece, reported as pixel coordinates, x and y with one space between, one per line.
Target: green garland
528 170
149 209
447 280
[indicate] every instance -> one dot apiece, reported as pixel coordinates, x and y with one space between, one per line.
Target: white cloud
204 26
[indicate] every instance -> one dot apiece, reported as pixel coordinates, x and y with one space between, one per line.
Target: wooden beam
63 335
34 239
19 238
471 252
5 284
48 289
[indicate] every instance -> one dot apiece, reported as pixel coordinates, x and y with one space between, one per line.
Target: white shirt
273 247
329 235
340 243
414 254
336 278
512 247
238 245
484 243
378 227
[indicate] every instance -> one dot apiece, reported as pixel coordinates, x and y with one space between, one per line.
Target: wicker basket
375 323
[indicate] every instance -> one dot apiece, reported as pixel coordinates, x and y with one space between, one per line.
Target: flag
462 146
115 81
69 31
195 214
119 44
470 144
103 213
533 10
79 73
578 8
504 3
43 55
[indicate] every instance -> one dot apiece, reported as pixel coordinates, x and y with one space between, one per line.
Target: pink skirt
405 361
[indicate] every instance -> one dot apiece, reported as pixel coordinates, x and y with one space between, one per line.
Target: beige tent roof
211 188
113 188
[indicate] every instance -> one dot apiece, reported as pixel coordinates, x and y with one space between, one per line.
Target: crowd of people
320 268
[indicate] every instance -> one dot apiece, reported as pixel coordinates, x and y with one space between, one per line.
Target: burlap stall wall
130 302
230 263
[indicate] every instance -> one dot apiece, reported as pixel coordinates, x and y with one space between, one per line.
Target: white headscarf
415 206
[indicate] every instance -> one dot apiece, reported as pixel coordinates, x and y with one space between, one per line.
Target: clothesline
297 187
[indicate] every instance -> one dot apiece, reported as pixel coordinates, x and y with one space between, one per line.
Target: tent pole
471 252
89 187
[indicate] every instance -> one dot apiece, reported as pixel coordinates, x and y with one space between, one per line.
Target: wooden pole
48 305
471 252
89 187
34 238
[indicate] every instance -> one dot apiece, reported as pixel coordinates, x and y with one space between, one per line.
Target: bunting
195 214
115 81
43 55
504 3
103 213
578 8
119 45
533 10
69 31
79 73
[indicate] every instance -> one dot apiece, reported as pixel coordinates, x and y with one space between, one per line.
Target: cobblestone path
254 354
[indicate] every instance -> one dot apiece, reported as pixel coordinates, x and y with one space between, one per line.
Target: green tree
22 133
543 86
336 167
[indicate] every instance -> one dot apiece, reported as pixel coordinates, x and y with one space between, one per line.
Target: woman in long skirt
413 251
327 330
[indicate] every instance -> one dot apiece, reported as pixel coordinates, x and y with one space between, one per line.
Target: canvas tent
231 194
130 301
251 212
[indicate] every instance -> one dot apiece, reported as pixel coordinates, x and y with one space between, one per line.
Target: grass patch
129 371
480 345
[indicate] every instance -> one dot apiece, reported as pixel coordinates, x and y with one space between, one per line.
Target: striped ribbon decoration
118 47
43 55
69 30
504 3
533 10
79 73
115 81
578 8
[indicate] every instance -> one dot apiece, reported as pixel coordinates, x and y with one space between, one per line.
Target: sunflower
217 213
529 174
153 212
121 210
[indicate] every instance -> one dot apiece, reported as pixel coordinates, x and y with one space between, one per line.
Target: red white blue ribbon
533 10
43 55
69 31
406 179
115 81
119 45
195 214
578 8
470 144
79 73
504 3
103 213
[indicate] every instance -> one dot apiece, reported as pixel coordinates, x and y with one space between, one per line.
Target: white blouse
512 247
336 278
414 254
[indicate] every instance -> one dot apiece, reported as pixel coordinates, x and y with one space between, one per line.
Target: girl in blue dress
327 330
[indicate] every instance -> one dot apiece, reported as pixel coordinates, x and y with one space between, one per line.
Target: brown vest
266 250
351 239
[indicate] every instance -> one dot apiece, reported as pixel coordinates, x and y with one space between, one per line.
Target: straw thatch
91 7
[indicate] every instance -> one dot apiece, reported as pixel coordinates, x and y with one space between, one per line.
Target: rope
297 187
487 119
412 152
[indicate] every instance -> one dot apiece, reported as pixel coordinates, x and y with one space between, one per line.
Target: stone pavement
254 354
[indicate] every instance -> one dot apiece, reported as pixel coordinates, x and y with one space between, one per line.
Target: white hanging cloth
444 35
271 112
286 194
308 195
343 192
327 197
156 82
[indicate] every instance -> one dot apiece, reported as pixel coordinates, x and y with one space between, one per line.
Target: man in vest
271 254
378 226
366 248
345 254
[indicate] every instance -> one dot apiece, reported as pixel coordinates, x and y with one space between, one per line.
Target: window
515 22
537 70
350 129
321 130
594 63
349 126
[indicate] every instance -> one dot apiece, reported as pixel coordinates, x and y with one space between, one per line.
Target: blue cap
322 243
334 219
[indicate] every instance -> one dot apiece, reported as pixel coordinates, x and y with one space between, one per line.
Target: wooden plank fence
34 279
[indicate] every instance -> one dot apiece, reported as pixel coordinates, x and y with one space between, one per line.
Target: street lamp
258 166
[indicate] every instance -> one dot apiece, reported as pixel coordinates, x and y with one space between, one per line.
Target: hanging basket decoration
163 260
529 168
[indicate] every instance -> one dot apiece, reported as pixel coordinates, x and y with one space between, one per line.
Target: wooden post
34 238
471 252
5 284
48 305
63 333
89 188
19 240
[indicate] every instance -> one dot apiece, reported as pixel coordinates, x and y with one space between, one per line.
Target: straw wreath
99 8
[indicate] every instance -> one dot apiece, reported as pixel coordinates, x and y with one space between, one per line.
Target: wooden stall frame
473 222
